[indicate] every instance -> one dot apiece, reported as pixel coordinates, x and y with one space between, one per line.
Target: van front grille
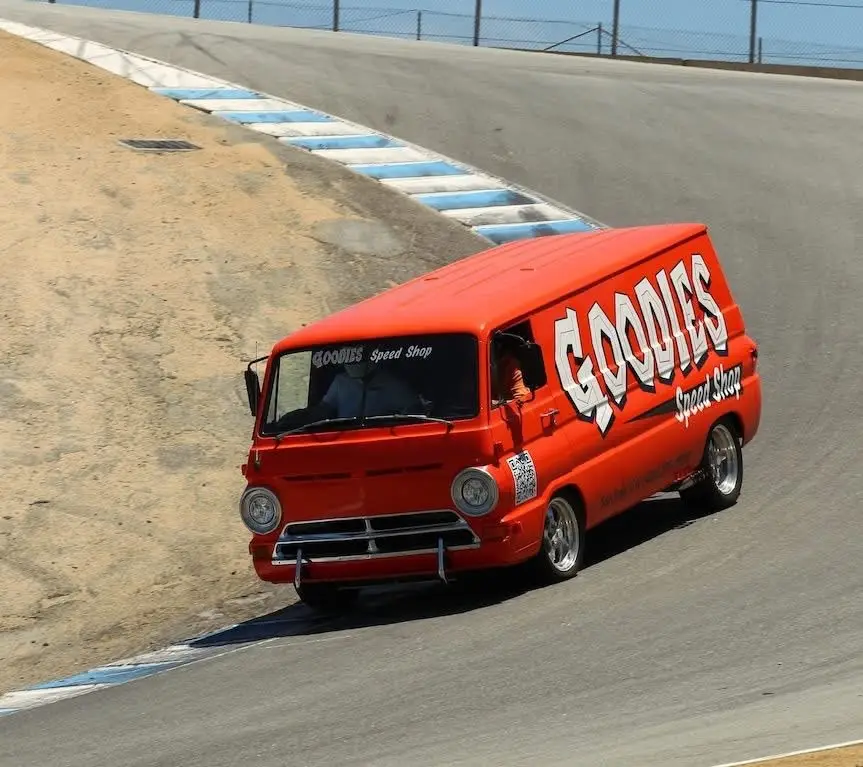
371 537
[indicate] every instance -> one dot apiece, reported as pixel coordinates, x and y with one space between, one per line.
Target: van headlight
260 510
474 492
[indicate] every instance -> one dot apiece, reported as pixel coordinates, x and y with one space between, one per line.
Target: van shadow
403 603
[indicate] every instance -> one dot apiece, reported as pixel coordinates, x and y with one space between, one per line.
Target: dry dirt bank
133 288
849 756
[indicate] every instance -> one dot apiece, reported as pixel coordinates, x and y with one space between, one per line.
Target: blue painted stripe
408 170
206 93
298 116
481 199
501 233
369 141
107 675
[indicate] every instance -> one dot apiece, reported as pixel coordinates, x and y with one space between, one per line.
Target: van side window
507 365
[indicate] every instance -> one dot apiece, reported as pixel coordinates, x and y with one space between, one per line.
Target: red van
493 411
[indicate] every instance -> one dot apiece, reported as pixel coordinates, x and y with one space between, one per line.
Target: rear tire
721 470
561 551
326 597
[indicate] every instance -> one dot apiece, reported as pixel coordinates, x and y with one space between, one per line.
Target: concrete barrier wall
836 73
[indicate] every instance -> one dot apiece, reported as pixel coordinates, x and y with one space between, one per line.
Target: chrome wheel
562 535
722 460
720 474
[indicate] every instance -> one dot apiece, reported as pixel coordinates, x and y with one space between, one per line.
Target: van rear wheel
721 470
561 551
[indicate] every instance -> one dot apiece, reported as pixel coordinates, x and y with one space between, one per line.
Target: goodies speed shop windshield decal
350 355
663 347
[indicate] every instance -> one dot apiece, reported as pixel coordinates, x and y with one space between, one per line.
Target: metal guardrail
741 31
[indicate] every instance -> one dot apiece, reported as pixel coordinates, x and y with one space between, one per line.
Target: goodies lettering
647 334
344 356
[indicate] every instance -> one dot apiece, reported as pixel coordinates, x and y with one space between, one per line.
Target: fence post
476 22
196 13
753 30
250 11
599 39
760 50
336 10
615 27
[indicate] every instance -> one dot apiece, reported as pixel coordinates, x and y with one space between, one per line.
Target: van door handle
550 414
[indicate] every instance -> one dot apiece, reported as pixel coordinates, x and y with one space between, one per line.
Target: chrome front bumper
373 537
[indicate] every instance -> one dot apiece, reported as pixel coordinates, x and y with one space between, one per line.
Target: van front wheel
721 471
561 551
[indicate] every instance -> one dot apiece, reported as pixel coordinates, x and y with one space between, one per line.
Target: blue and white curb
492 208
206 646
101 677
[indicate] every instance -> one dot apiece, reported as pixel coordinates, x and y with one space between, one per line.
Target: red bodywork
373 472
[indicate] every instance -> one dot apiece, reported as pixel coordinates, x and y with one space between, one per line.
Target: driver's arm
512 380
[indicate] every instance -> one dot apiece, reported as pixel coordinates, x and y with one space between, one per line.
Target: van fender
553 511
539 507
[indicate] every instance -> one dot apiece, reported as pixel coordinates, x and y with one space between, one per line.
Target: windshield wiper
364 419
321 422
411 416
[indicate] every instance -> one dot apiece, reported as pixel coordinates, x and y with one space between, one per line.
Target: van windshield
398 379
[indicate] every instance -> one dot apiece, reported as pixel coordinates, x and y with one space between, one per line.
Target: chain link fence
797 32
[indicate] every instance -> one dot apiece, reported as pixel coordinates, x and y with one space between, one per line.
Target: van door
527 433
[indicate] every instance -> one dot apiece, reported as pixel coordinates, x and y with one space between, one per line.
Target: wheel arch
736 421
573 494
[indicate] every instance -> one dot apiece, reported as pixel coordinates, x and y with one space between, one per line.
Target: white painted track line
790 754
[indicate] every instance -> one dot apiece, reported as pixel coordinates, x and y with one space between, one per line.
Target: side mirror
253 390
253 386
532 368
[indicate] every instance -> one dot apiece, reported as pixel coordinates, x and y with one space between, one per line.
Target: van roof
490 288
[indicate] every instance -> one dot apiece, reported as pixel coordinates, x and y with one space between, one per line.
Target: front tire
721 470
561 551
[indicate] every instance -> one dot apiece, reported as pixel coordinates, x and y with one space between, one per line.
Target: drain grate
158 145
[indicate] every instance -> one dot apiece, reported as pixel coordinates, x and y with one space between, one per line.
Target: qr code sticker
524 475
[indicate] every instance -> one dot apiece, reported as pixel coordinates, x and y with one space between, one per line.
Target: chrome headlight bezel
251 494
475 474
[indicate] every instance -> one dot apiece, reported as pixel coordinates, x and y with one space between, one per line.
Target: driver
507 379
384 393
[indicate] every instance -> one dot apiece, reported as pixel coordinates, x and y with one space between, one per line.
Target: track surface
732 636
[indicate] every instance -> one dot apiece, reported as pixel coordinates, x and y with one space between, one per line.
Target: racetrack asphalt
685 642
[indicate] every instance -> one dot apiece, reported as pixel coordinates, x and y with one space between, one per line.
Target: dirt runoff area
847 756
134 287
